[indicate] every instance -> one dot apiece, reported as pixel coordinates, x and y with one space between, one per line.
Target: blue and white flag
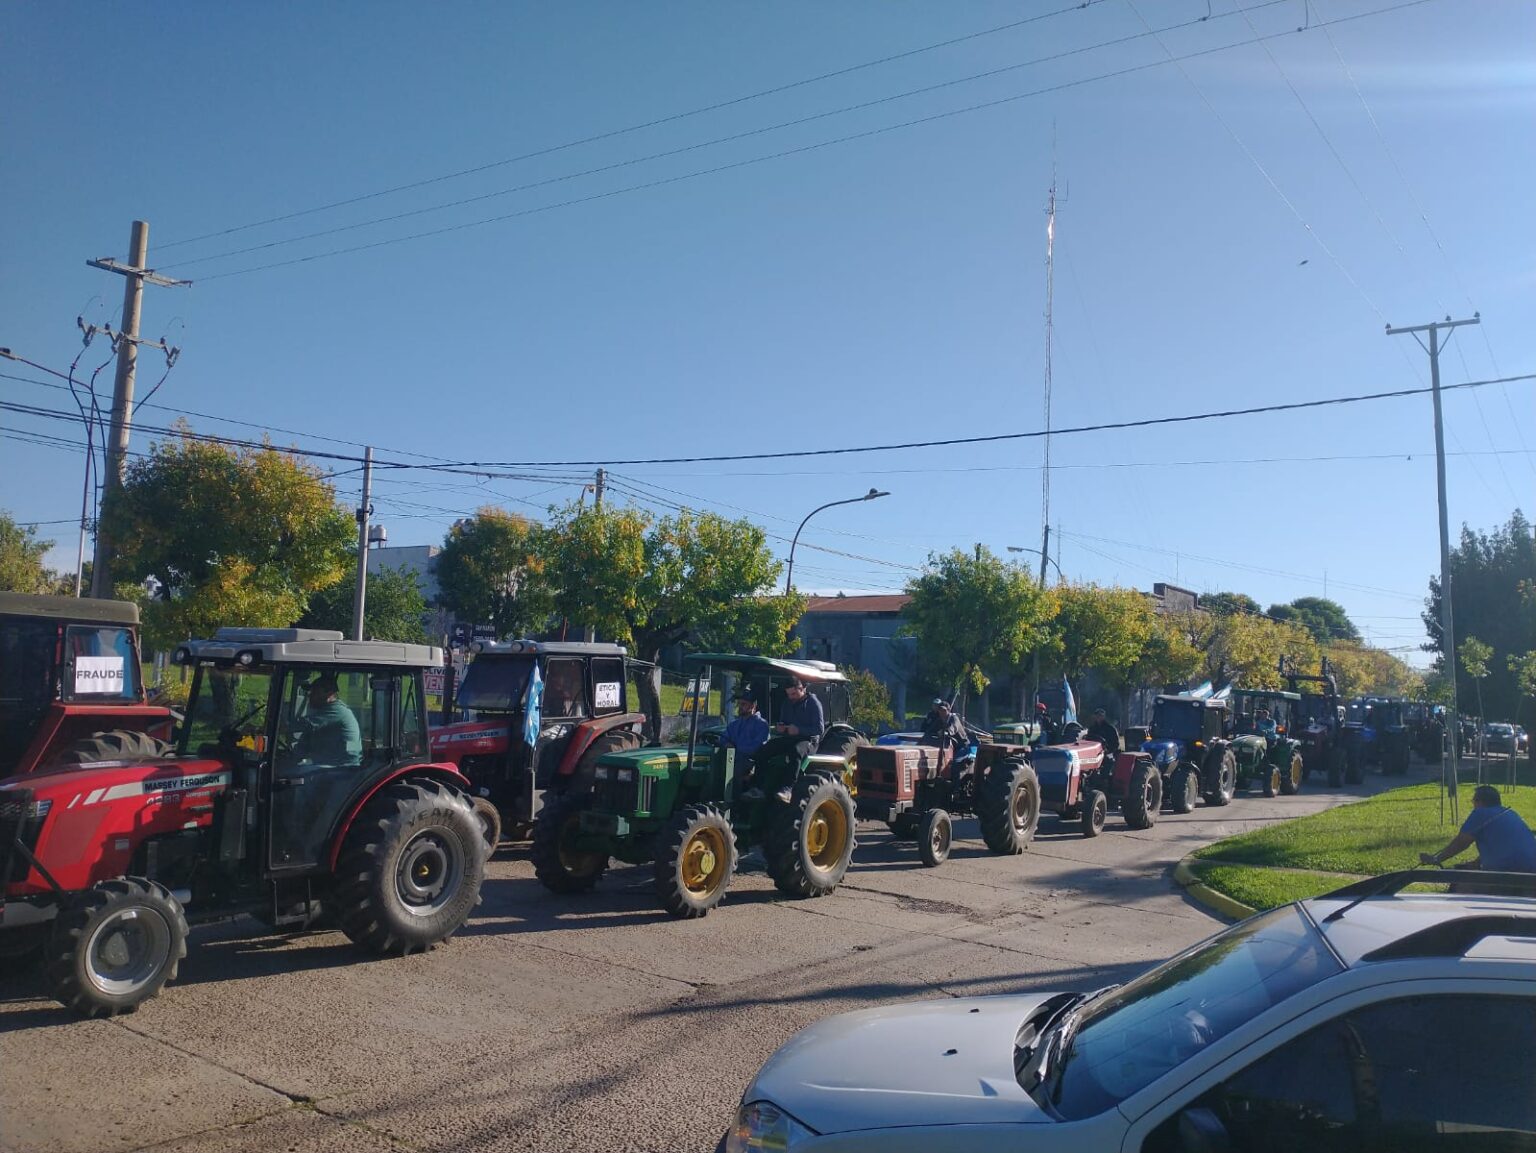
1069 704
1202 691
533 708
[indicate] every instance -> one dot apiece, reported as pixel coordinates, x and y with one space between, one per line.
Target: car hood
930 1063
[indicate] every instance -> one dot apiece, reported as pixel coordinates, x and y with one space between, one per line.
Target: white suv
1367 1020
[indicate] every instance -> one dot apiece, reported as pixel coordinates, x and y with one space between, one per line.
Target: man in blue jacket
749 731
1504 842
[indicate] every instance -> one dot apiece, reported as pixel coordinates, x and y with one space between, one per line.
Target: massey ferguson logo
155 789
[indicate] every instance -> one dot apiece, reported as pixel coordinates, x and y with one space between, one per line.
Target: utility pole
599 484
136 275
364 511
1045 472
1447 620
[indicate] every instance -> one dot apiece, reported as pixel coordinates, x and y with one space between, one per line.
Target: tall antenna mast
1050 292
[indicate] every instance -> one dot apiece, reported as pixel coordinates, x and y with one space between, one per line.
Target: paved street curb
1207 896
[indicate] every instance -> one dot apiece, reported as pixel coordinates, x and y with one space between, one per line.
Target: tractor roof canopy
816 672
303 646
75 610
1266 695
1187 700
547 648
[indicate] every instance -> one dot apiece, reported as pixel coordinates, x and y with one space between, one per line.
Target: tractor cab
688 810
542 714
300 776
1282 709
70 683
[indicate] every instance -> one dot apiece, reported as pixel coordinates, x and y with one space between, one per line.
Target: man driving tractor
943 728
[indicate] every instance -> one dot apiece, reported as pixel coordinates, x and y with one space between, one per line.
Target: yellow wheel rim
1296 771
574 861
826 834
704 860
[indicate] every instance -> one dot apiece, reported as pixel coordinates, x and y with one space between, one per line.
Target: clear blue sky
888 288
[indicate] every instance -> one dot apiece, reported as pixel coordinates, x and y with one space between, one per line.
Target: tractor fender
446 774
589 731
1125 765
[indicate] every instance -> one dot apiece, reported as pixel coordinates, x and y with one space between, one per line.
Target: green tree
1476 659
1494 578
973 615
1246 650
234 536
1325 619
394 610
1105 629
1364 671
21 560
1229 604
1166 658
869 701
694 577
490 572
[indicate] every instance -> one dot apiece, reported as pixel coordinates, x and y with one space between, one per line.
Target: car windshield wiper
1057 1029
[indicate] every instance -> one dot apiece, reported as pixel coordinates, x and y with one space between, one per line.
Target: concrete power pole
364 511
599 484
1447 620
136 275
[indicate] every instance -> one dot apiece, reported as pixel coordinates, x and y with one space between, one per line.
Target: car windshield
1126 1040
1177 721
495 684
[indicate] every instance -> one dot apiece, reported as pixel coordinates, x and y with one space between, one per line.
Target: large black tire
1270 775
115 745
1143 796
1184 789
115 946
810 841
410 868
613 741
695 858
1008 807
1337 766
489 818
841 741
934 837
558 868
1354 768
1291 777
1094 810
1218 778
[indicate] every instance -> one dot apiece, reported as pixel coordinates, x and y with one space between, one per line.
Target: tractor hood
1250 744
663 759
930 1063
1162 752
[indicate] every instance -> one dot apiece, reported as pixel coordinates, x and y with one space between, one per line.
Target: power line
788 152
657 122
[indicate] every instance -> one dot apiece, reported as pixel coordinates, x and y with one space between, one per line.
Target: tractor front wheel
559 867
1220 779
1095 809
935 837
695 860
1184 789
1337 765
489 817
410 868
810 841
1143 796
115 946
1271 775
1008 807
1292 776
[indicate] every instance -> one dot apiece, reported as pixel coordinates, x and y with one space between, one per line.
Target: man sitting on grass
1504 843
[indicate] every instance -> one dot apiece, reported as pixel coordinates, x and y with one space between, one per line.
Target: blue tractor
1187 745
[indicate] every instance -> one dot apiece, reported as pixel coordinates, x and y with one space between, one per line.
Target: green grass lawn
1302 858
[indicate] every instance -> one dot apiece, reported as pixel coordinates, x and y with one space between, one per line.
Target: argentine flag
533 708
1069 705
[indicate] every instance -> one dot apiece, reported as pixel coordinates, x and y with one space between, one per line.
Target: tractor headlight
601 772
626 774
763 1126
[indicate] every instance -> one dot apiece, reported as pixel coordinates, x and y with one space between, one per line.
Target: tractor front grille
612 794
21 820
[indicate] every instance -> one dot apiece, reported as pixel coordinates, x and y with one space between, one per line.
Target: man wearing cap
327 733
1105 733
942 728
1047 733
749 731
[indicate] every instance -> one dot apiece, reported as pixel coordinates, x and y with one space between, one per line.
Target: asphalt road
555 1023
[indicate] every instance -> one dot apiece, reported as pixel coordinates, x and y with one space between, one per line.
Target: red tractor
580 697
300 775
70 685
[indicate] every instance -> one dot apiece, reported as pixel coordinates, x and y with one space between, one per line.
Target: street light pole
789 574
1043 558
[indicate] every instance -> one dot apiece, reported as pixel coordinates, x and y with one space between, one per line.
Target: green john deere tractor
1263 723
691 811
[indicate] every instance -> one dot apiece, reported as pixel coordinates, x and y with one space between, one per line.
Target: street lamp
1036 552
872 494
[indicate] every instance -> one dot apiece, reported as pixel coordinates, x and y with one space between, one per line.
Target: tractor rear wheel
115 745
115 946
613 741
1184 789
1354 768
935 837
560 868
410 868
1143 796
1095 809
1293 775
694 861
1219 780
489 818
810 840
842 742
1008 807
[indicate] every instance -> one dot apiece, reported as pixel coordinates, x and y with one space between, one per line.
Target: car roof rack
1482 881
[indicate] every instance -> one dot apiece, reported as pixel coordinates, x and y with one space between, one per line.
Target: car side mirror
1201 1131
